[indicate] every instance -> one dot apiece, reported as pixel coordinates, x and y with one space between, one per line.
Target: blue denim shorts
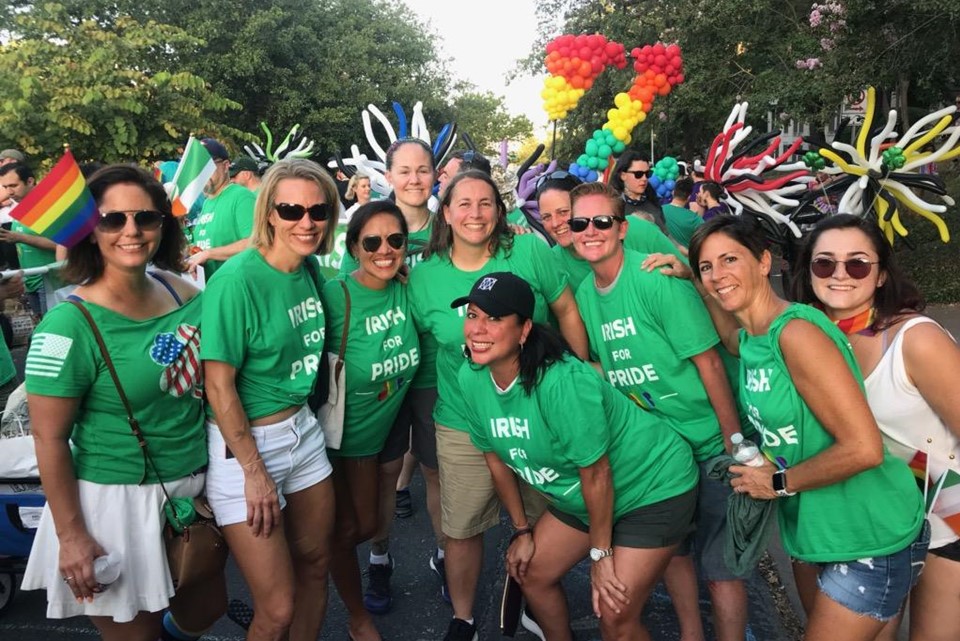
876 587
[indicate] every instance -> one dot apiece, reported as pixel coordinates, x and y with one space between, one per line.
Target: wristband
520 532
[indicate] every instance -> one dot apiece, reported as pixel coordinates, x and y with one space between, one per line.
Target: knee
366 528
618 625
313 562
272 617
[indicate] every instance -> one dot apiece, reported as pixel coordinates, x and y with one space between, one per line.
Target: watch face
778 482
596 554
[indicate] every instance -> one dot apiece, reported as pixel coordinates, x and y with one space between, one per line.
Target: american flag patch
48 353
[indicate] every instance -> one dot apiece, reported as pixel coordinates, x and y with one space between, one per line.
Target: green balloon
582 160
618 147
604 151
592 162
591 147
602 163
598 135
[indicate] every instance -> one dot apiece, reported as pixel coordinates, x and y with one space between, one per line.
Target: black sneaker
438 566
460 630
404 508
377 599
240 613
529 623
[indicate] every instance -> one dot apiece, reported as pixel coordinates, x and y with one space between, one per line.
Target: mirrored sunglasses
293 213
372 243
856 268
578 224
144 219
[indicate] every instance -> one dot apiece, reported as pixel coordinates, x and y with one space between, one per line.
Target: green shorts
658 525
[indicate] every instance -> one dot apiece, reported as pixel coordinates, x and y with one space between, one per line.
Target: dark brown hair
892 300
441 235
742 229
84 260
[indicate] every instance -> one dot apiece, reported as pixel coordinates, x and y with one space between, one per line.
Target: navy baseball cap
500 294
215 149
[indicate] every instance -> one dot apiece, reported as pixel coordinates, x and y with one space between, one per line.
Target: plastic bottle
746 452
106 569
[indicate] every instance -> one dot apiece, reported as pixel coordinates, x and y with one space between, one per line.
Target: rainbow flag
60 207
946 500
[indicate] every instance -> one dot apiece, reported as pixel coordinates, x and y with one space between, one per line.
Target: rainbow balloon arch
575 62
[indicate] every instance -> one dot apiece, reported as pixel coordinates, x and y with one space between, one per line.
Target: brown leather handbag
198 551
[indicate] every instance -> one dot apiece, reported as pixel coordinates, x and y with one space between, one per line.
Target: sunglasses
647 173
372 243
556 175
856 268
145 220
601 223
293 213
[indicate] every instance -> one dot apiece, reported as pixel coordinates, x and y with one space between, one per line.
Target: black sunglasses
293 213
144 219
372 243
556 175
640 173
579 224
857 268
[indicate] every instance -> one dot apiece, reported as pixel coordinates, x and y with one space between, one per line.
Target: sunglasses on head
856 268
579 224
556 175
372 243
144 219
293 213
640 173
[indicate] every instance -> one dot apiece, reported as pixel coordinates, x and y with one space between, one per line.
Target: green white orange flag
946 500
193 172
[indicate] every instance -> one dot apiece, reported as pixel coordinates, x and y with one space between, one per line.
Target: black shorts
414 429
950 551
658 525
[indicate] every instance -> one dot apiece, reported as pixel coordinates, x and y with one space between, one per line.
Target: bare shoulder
928 342
185 290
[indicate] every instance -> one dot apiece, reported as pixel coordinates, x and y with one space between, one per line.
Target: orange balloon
586 68
588 83
664 90
660 80
577 82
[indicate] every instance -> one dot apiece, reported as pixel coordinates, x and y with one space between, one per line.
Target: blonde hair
293 168
352 185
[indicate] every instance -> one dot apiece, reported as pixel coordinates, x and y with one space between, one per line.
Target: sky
483 41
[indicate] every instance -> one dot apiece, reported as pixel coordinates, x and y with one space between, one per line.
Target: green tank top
874 513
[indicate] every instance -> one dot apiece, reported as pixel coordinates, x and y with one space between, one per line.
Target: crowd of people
587 384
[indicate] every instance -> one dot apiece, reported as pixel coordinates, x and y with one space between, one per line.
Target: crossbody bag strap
346 330
131 419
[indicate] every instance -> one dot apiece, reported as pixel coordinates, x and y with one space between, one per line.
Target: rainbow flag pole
61 207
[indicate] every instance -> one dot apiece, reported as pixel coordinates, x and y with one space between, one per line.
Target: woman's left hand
668 264
605 585
755 481
518 556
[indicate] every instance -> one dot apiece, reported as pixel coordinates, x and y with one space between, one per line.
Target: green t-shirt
31 256
426 376
644 329
8 370
681 223
158 364
874 513
436 282
382 356
571 419
517 217
267 324
224 219
642 236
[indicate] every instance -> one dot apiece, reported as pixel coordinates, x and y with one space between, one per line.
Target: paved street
419 614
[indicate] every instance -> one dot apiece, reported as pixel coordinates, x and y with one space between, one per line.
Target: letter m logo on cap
487 284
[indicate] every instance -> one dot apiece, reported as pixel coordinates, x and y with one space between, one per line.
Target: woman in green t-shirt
382 355
850 513
471 237
104 498
263 340
621 483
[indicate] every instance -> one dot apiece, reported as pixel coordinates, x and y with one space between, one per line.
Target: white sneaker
530 625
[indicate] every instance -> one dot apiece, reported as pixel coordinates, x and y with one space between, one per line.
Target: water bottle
746 452
106 569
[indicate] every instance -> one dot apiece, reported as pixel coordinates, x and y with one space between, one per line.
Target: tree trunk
903 92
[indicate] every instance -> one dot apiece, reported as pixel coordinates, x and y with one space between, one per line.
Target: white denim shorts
293 451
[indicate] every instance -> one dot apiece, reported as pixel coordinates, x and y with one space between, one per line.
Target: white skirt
126 520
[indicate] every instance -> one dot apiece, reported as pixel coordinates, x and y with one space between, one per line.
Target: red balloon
580 41
660 59
659 49
565 51
585 52
679 78
673 50
669 70
635 52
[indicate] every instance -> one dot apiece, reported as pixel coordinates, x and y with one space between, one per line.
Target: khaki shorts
468 501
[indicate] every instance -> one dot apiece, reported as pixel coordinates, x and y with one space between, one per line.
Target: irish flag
946 500
193 172
60 207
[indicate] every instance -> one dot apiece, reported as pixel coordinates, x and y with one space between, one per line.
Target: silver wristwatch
599 553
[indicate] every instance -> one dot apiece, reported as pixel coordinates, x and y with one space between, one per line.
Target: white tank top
909 423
